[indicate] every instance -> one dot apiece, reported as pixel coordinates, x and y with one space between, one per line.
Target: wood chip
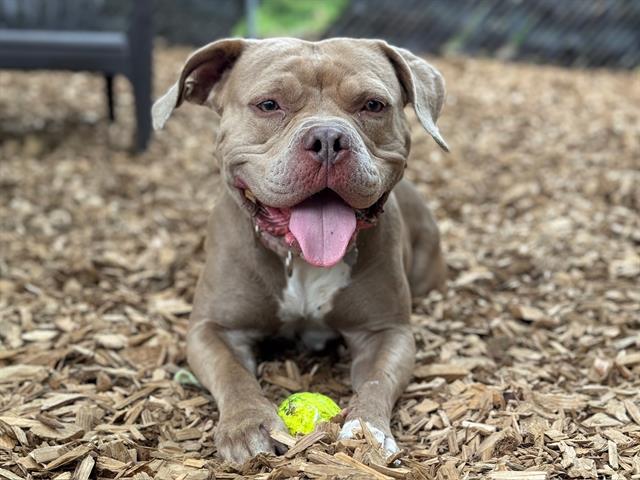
70 456
614 460
63 433
110 464
629 359
187 434
60 399
426 406
9 475
448 372
111 341
527 475
194 462
347 460
84 469
305 442
48 453
481 427
144 393
283 438
20 373
632 410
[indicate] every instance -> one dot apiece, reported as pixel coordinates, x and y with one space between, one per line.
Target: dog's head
312 135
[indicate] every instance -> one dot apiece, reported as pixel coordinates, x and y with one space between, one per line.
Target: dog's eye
374 106
268 106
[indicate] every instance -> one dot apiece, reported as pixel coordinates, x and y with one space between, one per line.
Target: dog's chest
308 297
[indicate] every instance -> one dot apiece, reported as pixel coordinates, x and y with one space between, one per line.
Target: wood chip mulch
527 369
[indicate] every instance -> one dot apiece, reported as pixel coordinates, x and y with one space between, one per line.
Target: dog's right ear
202 70
423 86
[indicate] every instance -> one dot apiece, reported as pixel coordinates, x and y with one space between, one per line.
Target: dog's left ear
423 86
201 72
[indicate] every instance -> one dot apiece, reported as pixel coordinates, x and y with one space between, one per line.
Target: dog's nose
326 143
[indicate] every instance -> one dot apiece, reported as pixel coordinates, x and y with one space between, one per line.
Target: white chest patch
308 297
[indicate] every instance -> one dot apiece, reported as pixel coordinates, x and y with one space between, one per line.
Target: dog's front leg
382 365
222 362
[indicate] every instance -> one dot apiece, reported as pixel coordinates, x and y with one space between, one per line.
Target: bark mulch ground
527 368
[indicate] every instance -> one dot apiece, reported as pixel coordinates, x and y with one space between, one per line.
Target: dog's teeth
250 196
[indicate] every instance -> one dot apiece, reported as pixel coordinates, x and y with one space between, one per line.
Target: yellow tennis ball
301 412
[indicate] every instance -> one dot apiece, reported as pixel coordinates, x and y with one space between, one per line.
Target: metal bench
43 34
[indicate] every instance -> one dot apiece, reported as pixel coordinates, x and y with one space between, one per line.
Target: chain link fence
580 33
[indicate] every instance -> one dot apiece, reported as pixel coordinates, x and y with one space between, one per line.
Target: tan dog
312 140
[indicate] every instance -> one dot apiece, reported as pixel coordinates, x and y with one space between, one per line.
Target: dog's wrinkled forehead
330 67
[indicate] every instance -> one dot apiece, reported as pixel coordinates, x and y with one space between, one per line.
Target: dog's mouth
322 227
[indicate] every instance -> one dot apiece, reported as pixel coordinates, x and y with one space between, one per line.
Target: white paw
351 427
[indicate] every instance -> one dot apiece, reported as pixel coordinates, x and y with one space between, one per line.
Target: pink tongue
323 225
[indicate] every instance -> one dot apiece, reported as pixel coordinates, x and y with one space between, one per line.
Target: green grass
294 18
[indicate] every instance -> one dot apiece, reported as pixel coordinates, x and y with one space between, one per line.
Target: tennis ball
301 412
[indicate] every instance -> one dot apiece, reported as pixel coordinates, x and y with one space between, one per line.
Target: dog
316 234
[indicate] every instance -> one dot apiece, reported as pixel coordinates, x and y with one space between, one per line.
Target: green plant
294 18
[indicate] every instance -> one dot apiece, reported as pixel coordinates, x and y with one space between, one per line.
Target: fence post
251 7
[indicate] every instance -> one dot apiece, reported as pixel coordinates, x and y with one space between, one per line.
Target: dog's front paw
384 438
244 432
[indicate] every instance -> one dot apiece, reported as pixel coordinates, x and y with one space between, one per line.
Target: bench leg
140 37
109 89
142 94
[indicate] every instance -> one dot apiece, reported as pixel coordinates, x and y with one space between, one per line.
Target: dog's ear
202 70
423 87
